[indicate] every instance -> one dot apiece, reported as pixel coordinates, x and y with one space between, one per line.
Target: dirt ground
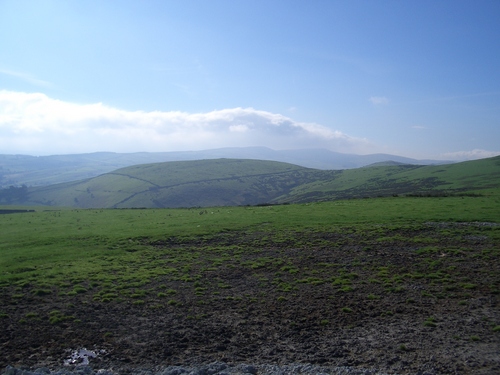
340 299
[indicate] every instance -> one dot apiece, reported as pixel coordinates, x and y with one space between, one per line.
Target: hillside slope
221 182
232 182
17 170
402 179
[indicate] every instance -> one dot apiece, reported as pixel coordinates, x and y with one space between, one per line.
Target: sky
419 79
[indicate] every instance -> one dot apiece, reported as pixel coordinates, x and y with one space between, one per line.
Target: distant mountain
230 182
17 170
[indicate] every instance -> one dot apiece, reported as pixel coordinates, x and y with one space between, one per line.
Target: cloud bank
34 124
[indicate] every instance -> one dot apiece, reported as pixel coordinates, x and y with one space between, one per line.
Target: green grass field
49 248
339 268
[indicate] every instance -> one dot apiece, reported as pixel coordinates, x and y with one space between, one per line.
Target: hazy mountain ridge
17 170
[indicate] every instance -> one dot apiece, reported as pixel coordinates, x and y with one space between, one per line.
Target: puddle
80 357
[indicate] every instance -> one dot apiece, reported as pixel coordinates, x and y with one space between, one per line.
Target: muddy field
419 299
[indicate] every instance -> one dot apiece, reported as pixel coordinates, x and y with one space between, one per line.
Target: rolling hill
466 177
16 170
232 182
220 182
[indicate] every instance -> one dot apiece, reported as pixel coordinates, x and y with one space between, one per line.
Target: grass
430 322
113 255
56 316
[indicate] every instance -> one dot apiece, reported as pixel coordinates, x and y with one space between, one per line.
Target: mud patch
419 299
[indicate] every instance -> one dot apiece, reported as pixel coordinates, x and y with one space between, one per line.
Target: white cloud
470 155
238 128
379 100
33 123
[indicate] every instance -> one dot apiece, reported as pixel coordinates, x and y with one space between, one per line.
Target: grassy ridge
181 184
17 170
232 182
403 179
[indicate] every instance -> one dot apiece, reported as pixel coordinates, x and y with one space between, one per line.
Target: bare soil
373 300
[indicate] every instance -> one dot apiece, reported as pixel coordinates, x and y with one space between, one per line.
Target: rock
9 370
247 369
174 371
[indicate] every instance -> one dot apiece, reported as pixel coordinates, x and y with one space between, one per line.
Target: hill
233 182
221 182
376 181
16 170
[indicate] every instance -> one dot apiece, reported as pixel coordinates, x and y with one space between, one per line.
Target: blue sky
413 78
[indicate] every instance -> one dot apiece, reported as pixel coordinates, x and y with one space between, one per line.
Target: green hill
17 170
466 177
232 182
220 182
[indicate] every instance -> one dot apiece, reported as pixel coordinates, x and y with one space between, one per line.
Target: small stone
104 372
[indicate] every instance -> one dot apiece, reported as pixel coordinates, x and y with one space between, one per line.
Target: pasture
314 283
